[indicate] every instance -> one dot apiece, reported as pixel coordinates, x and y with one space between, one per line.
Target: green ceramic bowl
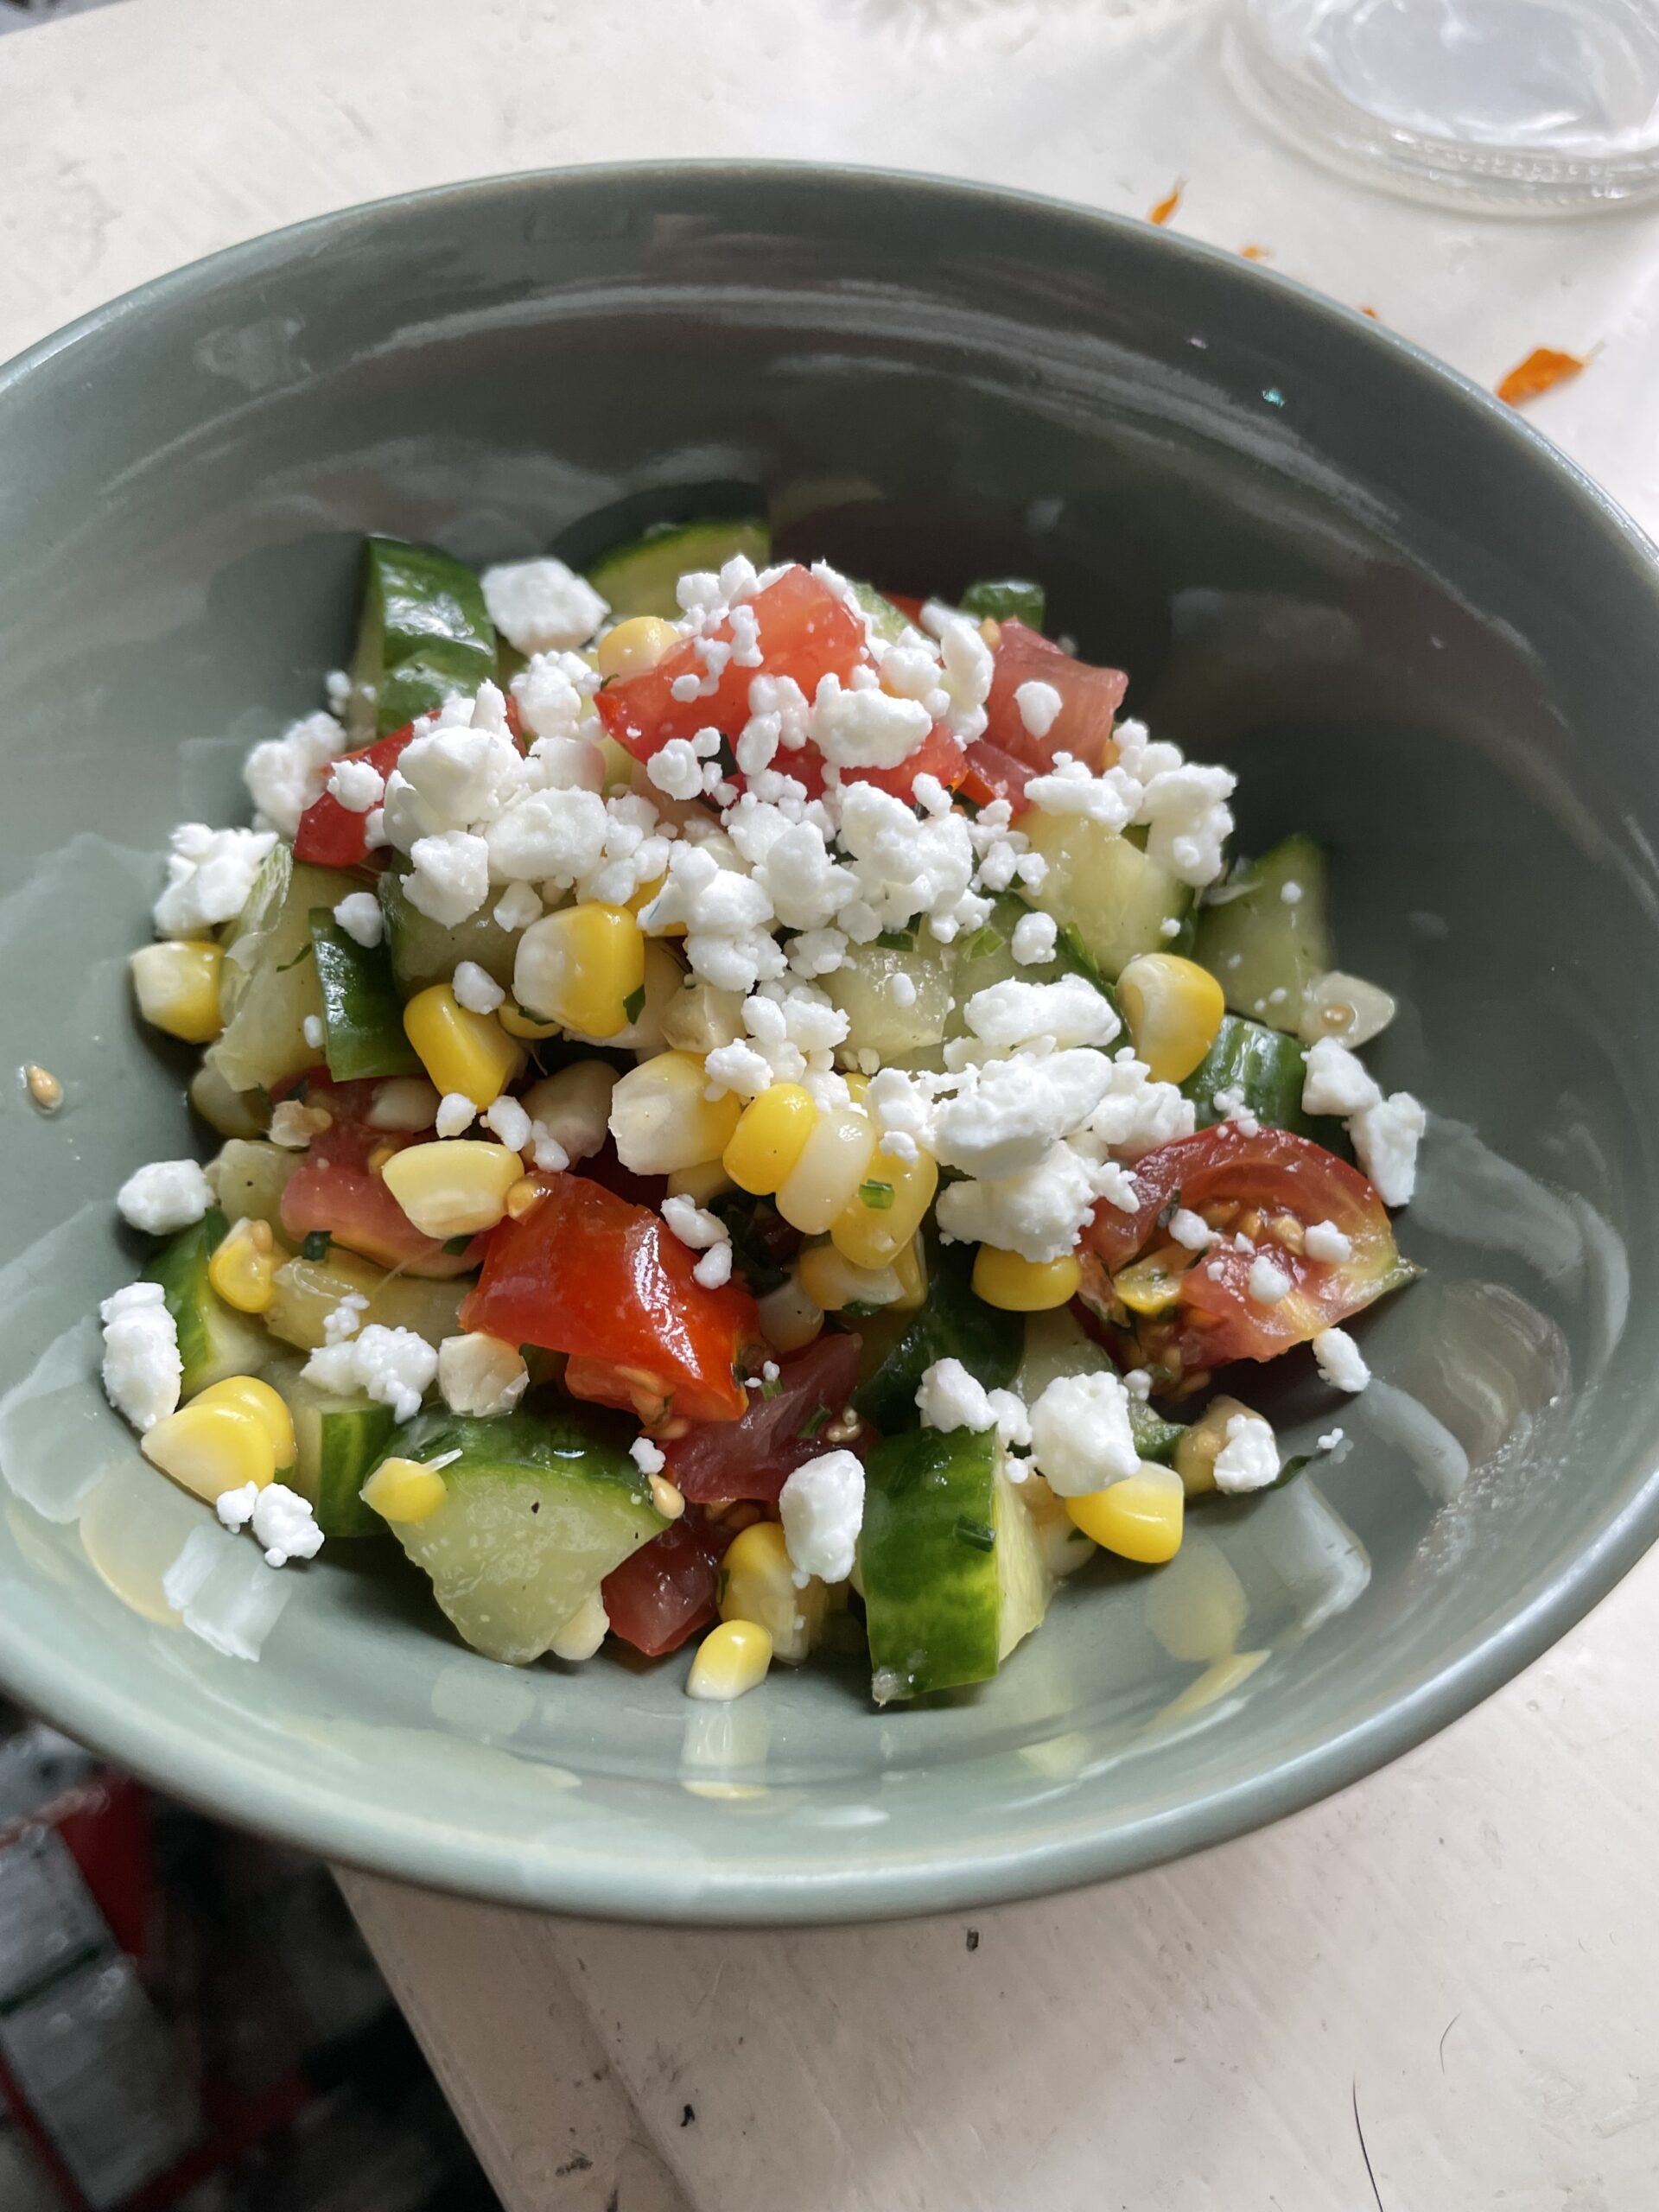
1402 617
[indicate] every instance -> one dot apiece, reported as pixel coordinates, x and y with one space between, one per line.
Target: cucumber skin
362 1015
352 1442
564 1442
921 1579
1268 1068
1275 946
423 632
1155 1439
1004 599
420 952
199 1315
954 1323
639 577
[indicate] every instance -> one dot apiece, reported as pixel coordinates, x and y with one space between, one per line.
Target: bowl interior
1324 561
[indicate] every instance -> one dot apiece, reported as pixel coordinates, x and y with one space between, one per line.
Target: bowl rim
353 1830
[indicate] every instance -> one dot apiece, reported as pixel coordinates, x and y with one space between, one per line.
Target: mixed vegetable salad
749 1108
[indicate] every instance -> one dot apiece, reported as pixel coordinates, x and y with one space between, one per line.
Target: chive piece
316 1243
979 1534
457 1243
897 940
877 1196
304 953
634 1005
818 1419
861 1308
984 942
771 1386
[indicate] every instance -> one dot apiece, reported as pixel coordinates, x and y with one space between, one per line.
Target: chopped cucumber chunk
890 622
1116 896
362 1018
339 1442
422 952
1057 1344
536 1512
249 1177
1012 599
1265 934
423 633
953 1325
267 984
951 1568
870 986
214 1340
1266 1070
639 578
308 1291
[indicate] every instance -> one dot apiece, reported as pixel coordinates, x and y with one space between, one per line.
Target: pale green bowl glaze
1406 622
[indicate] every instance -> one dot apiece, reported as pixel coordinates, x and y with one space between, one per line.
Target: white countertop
1456 1957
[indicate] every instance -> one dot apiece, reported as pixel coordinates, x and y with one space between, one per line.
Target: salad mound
747 1105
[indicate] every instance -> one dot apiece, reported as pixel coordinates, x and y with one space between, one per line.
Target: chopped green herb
1008 599
456 1243
877 1196
898 940
861 1308
818 1419
770 1385
979 1534
304 953
634 1005
315 1246
984 942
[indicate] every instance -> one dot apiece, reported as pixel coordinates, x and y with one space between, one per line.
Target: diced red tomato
358 1210
668 1588
584 1272
805 631
330 834
1273 1175
939 754
750 1458
1090 699
990 774
908 604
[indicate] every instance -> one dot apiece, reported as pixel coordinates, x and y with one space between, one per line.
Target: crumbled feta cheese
1249 1458
1332 1438
313 1031
454 1114
549 837
357 784
1323 1240
866 729
1340 1360
404 1102
235 1507
475 987
1081 1439
285 774
714 1269
209 875
1191 1230
1291 893
1068 1012
1267 1283
166 1196
647 1456
358 914
1137 1115
740 1068
823 1509
1232 1105
452 777
517 908
1169 927
284 1525
552 693
966 675
142 1367
1386 1135
1336 1081
693 1225
949 1397
450 878
1188 821
394 1366
1005 1116
1039 706
480 1374
1037 1212
541 607
546 1151
508 1120
1034 939
1070 788
675 768
901 989
345 1319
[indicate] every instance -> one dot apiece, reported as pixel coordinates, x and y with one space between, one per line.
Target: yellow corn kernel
833 1163
1200 1444
404 1489
520 1024
731 1659
830 1279
244 1266
789 1318
1174 1008
770 1136
455 1186
757 1584
661 1120
708 1180
460 1050
858 1086
583 967
1021 1285
886 1210
177 988
249 1396
209 1449
1151 1284
1138 1518
635 645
